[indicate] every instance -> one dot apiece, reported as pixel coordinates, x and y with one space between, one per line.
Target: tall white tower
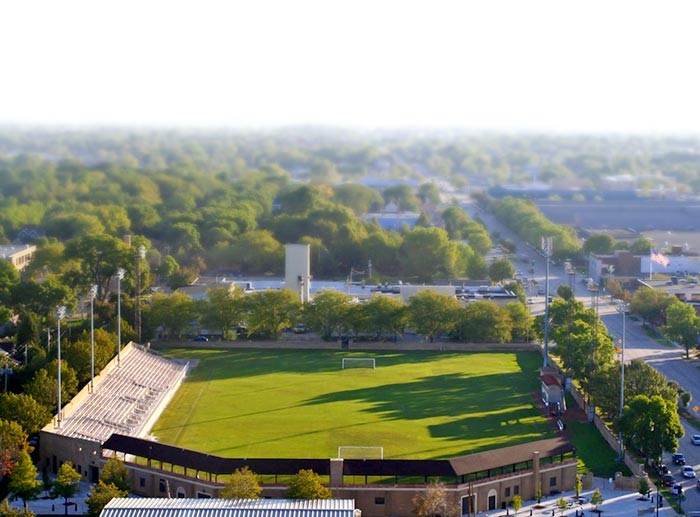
297 268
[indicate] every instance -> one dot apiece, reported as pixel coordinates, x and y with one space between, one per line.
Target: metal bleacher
125 399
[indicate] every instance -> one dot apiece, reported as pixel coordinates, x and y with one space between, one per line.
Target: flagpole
651 262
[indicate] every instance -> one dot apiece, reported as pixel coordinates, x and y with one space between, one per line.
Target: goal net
358 362
355 452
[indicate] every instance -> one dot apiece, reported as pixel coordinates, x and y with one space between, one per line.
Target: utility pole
547 247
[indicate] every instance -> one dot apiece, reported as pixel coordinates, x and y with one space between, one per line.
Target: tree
641 246
359 198
9 277
578 485
328 313
27 329
584 349
561 504
565 292
433 501
431 314
115 473
599 244
267 313
66 483
12 441
644 487
485 321
501 269
596 498
42 387
7 511
520 319
517 503
682 325
23 409
256 252
429 193
78 353
651 425
427 253
242 485
640 379
99 256
23 482
223 310
383 316
100 495
173 311
306 484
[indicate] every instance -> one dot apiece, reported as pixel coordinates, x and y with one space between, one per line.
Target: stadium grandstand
128 397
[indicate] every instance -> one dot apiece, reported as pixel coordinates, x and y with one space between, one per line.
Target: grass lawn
593 452
299 403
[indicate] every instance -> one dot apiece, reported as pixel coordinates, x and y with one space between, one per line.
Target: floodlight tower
139 257
93 293
60 314
120 277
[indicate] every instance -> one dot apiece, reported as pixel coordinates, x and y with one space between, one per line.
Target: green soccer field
301 404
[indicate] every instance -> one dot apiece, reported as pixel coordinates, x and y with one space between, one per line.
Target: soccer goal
358 362
356 452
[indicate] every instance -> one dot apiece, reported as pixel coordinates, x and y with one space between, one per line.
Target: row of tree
329 155
526 220
649 420
197 221
334 315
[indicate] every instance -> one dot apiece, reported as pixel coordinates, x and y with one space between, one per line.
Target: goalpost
358 362
357 452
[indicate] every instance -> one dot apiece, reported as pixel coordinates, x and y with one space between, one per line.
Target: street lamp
547 247
93 293
120 277
622 308
60 314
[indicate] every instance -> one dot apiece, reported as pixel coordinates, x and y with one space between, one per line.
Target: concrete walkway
616 503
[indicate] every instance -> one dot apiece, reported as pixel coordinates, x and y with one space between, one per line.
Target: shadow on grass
225 364
231 363
483 406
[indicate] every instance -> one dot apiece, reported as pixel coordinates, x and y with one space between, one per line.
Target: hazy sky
608 65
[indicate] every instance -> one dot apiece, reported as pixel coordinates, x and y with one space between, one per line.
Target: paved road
669 360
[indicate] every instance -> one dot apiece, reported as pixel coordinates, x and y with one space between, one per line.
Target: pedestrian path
616 503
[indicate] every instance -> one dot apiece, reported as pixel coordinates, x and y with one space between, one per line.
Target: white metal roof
157 507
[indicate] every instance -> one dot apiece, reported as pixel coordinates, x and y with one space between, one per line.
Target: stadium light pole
93 293
60 314
120 277
622 308
139 257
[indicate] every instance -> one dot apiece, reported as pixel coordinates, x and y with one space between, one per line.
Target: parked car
201 339
299 328
695 440
668 480
688 472
678 459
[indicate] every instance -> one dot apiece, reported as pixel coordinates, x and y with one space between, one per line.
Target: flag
659 258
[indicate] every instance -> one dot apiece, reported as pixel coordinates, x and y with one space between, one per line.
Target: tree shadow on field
483 405
217 364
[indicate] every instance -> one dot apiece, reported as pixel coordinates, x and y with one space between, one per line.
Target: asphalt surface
668 359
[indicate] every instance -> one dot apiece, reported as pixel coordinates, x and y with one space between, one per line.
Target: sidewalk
616 503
